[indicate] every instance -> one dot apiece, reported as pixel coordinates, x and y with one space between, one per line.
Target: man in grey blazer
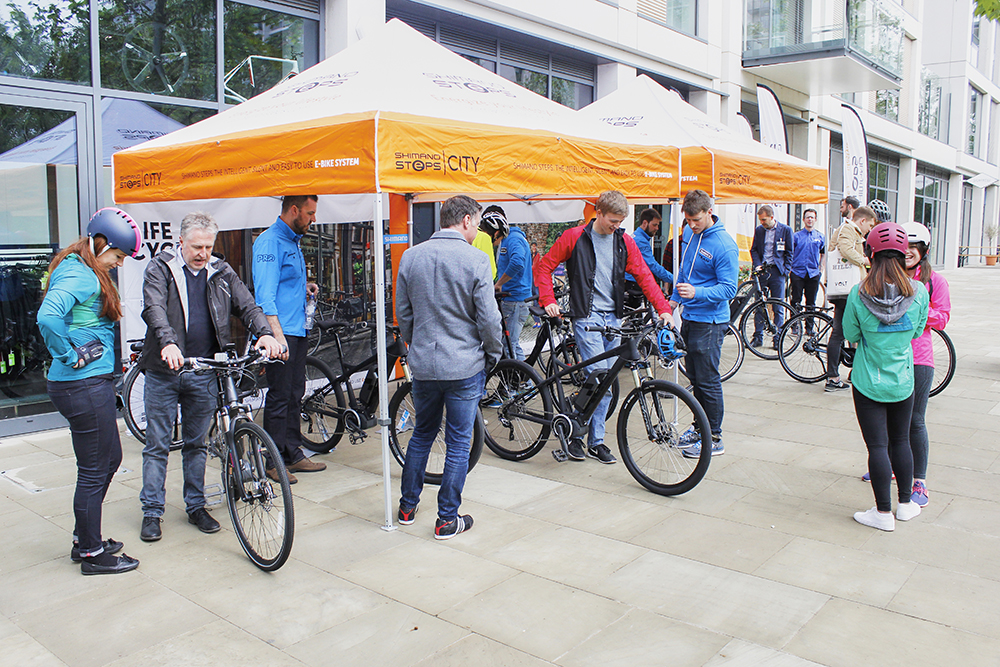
448 315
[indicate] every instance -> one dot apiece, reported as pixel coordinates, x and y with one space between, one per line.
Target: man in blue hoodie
706 281
649 227
514 276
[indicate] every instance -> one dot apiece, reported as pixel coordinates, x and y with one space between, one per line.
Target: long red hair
111 306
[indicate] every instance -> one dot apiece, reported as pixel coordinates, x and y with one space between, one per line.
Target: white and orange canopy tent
732 168
395 113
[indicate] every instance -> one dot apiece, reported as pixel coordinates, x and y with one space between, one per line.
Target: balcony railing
780 31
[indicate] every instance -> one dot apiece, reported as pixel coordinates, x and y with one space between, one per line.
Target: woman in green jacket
77 319
884 313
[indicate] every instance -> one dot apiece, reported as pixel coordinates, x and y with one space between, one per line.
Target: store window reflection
45 41
264 47
39 211
162 47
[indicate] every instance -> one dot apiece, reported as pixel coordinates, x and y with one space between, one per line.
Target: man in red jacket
597 255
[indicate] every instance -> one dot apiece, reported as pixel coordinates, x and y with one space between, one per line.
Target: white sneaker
876 519
907 511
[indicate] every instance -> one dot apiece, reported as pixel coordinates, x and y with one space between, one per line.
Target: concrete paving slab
477 650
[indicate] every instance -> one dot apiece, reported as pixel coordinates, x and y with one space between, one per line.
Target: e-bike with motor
331 407
260 507
650 422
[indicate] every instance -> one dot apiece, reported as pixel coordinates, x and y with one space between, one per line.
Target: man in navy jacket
772 249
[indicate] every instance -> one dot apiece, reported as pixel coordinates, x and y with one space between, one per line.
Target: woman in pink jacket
919 268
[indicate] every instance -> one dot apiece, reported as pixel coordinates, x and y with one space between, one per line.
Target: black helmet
881 210
118 228
495 220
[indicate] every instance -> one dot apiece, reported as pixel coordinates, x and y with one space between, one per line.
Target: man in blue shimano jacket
280 289
514 276
706 281
771 249
649 226
807 260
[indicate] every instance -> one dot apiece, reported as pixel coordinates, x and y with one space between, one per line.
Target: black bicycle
760 316
521 409
130 390
260 506
331 406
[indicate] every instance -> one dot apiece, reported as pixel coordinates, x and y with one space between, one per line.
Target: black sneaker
445 530
836 385
601 453
405 516
201 518
150 531
575 450
113 565
110 547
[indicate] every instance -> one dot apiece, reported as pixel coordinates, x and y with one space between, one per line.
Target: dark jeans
774 283
286 384
196 396
704 348
886 430
808 285
89 407
923 378
836 338
459 400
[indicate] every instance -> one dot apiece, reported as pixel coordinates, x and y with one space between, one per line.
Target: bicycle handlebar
194 364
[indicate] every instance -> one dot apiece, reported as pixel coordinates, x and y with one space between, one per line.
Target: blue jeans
774 283
590 344
196 396
704 348
514 313
89 407
460 399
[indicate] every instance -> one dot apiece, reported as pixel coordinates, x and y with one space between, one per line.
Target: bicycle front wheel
803 344
517 412
402 419
134 409
260 507
944 361
650 425
323 408
762 323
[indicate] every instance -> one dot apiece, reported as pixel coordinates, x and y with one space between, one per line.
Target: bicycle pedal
560 455
213 495
357 438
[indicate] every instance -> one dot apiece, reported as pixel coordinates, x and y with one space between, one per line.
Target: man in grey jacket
448 315
188 298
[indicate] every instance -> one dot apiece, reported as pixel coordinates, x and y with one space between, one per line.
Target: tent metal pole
383 371
675 220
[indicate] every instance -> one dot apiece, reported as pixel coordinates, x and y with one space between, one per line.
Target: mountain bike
260 507
331 406
650 423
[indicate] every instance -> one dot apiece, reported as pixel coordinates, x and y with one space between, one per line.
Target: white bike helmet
917 233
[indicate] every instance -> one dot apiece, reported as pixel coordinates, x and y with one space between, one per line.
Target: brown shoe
273 474
306 465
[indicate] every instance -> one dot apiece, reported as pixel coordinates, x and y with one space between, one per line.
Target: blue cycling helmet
118 228
668 346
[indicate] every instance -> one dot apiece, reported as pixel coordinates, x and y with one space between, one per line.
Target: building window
993 153
50 42
974 50
930 207
681 15
883 178
975 120
162 48
887 104
929 113
264 47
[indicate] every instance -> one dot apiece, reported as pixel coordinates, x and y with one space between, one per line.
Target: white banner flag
855 156
772 134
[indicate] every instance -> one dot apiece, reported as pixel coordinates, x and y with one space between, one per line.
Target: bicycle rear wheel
261 508
944 361
765 319
134 409
402 419
803 344
323 408
650 425
517 412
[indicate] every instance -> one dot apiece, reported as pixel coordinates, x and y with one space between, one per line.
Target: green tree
988 8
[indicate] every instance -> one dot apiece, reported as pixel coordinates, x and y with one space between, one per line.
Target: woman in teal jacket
77 319
883 315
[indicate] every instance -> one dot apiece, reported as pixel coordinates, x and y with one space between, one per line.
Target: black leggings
886 430
836 338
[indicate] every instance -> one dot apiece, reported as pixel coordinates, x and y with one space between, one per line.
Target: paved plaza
570 564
